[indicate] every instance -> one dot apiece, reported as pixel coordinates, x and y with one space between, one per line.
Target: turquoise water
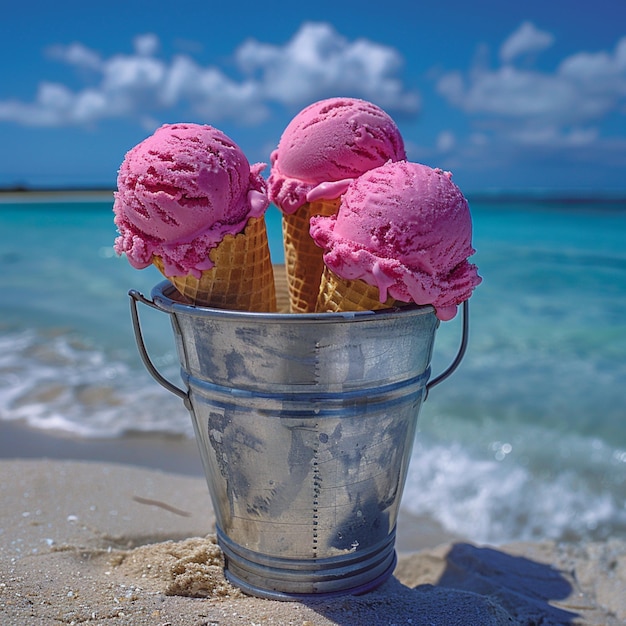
526 440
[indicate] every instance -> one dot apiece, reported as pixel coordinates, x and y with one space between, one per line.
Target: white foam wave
500 499
57 382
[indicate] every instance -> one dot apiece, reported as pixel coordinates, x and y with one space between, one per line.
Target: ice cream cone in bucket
339 294
242 278
406 229
327 143
303 259
189 202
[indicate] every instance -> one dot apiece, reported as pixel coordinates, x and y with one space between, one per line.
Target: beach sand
92 542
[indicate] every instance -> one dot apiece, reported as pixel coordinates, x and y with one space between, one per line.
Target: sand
105 543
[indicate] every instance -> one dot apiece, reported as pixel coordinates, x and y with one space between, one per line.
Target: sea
525 441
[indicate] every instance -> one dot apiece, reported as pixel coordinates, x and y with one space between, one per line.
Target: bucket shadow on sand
475 586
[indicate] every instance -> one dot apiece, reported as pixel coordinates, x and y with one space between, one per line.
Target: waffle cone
282 291
303 259
242 278
337 294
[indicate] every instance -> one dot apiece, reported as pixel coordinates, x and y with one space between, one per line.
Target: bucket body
305 425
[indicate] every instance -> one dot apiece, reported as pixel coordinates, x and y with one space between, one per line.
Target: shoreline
96 543
173 454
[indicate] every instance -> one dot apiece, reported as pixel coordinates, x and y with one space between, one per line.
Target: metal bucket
305 424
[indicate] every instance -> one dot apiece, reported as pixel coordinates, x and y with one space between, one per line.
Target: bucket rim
163 297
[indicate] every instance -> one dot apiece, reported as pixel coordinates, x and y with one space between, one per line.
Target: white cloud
600 74
211 93
554 137
128 74
55 105
531 107
76 54
317 62
445 141
146 45
216 96
531 118
509 92
89 105
526 39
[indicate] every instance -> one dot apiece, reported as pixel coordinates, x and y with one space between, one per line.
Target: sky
509 96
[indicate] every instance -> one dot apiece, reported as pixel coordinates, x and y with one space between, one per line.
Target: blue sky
507 95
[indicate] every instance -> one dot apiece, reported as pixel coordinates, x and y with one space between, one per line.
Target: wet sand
176 454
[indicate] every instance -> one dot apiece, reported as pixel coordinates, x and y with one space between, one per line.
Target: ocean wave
506 499
56 381
491 462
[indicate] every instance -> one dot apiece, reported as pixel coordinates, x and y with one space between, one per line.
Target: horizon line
487 195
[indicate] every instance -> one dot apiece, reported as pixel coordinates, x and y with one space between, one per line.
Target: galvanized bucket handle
459 355
136 296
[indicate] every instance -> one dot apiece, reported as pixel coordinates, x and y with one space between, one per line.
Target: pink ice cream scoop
330 140
180 191
405 228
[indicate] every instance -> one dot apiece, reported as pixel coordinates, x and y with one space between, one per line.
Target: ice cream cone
282 291
339 294
303 259
242 278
